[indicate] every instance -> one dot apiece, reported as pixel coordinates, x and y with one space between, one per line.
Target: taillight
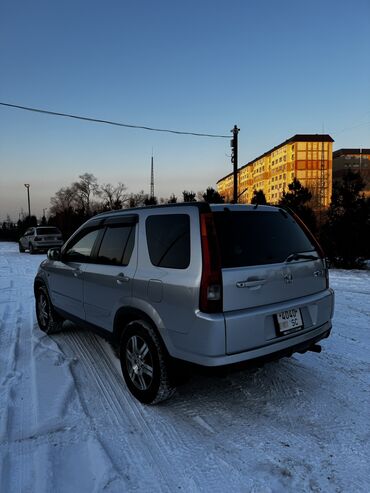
210 300
326 272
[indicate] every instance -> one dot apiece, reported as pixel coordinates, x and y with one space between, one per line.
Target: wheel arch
127 314
38 282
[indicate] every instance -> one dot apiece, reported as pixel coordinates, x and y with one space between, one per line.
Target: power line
108 122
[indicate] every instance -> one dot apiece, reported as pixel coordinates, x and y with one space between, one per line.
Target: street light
27 185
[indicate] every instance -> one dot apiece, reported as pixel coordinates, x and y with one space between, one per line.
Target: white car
40 239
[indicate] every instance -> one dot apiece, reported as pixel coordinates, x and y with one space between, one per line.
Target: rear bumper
256 327
45 246
245 335
297 343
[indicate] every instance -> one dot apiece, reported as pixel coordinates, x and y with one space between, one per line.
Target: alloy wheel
139 362
43 309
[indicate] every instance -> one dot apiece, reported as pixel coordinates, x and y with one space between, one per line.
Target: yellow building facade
308 157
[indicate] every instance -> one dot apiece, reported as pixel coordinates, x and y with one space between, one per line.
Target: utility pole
234 160
27 185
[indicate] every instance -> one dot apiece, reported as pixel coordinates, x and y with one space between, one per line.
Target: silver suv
40 239
210 285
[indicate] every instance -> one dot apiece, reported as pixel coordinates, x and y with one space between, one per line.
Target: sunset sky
274 68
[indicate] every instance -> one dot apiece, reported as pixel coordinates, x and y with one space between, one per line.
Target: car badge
288 278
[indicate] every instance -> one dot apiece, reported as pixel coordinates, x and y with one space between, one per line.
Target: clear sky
274 68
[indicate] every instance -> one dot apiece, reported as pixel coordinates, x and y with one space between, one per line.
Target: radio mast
152 179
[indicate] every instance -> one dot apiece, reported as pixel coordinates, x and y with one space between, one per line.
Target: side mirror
54 254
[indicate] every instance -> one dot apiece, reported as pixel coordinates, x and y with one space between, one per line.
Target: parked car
40 239
206 284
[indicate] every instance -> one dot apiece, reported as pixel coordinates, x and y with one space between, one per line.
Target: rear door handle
121 278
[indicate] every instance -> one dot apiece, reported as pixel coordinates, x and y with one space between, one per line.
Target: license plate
289 320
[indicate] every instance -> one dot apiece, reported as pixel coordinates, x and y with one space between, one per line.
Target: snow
68 423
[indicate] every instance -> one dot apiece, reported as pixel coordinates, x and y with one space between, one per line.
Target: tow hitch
315 348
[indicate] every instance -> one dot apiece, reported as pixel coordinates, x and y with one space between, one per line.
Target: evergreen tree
188 196
212 196
172 199
151 201
346 233
297 199
258 197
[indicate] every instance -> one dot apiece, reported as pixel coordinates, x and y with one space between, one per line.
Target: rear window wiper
299 256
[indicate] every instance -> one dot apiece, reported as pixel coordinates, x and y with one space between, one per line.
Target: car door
65 276
108 278
25 239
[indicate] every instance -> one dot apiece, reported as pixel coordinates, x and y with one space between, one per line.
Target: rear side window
168 238
116 246
258 237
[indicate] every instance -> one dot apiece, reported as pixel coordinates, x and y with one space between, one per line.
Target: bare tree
63 200
85 189
113 196
137 199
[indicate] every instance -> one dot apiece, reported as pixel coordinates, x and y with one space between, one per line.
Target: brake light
210 300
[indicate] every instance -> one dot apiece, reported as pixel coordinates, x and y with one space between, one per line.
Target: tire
145 363
21 249
48 319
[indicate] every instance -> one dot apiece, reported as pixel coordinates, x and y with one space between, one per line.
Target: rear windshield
258 237
47 231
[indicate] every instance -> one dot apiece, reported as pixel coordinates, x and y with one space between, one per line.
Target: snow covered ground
68 424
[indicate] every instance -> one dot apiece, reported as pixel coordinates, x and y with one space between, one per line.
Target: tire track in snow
218 456
124 412
231 444
196 449
31 451
202 457
16 328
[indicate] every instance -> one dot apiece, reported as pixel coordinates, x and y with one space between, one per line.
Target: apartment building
305 156
355 159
